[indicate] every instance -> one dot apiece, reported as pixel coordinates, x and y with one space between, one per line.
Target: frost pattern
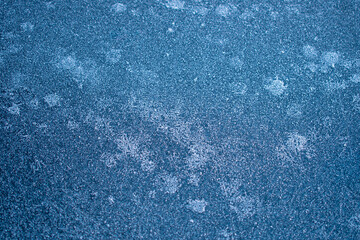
197 206
354 222
114 56
294 111
118 8
81 71
356 102
276 87
332 85
129 145
27 27
296 147
52 100
72 125
147 165
238 88
168 183
199 10
110 159
310 51
14 109
330 58
225 10
236 62
296 142
242 204
200 154
175 4
355 78
34 103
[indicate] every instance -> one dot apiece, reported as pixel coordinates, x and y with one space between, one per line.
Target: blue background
180 119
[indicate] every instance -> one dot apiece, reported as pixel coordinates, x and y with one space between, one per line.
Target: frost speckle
27 27
199 10
294 111
355 78
237 62
168 183
354 222
14 109
52 100
225 10
330 58
276 87
110 159
114 56
238 88
118 8
197 206
175 4
296 142
310 51
34 103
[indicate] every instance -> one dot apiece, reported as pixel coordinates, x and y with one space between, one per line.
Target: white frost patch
128 145
34 103
237 62
225 10
175 4
118 8
354 222
148 165
310 51
200 154
243 206
356 102
113 56
67 63
330 58
295 148
197 206
194 179
312 67
111 199
72 125
355 78
199 10
110 159
14 109
168 183
81 72
276 87
294 111
27 27
247 15
196 161
296 142
334 85
171 184
52 100
238 88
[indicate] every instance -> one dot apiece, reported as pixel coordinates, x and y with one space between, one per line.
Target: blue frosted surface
180 119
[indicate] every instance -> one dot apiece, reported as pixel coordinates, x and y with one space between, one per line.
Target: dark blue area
171 119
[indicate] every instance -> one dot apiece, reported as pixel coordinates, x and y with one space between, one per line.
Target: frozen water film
180 119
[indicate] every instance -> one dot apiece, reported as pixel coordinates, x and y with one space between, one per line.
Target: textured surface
180 119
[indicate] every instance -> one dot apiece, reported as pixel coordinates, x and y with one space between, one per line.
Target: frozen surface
180 119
